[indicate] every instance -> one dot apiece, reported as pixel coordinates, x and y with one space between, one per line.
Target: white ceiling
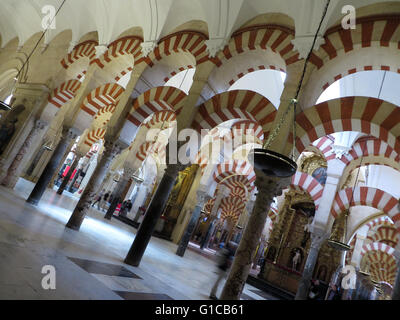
157 18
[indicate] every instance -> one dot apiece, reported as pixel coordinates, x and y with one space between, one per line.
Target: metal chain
273 135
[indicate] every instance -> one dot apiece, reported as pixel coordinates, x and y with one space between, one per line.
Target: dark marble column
396 285
318 236
210 231
152 214
67 177
119 189
202 198
111 149
15 169
268 188
68 134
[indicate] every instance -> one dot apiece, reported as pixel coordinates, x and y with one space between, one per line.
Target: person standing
224 262
98 199
104 200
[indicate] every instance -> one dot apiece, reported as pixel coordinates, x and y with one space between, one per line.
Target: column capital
173 169
215 45
100 49
40 124
147 47
270 186
128 172
202 197
112 148
69 133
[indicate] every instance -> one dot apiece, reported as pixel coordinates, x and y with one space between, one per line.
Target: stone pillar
119 189
111 149
318 236
153 212
67 177
213 216
396 285
67 135
202 198
360 238
16 168
268 188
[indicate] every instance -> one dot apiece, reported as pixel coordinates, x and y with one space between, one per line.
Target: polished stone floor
89 263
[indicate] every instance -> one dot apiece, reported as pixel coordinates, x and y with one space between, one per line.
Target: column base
33 202
73 227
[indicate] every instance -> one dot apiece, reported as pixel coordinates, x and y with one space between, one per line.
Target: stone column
15 168
67 177
119 189
318 236
152 214
68 134
360 238
396 285
268 188
213 215
111 149
202 198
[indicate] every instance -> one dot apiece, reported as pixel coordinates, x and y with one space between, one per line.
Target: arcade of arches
112 73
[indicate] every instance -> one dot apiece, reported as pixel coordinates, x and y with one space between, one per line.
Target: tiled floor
89 263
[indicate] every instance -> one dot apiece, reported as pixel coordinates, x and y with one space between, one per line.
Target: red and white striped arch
382 264
175 72
367 196
381 221
377 246
65 92
164 116
386 234
94 136
277 38
96 100
93 149
129 45
209 205
86 51
154 100
305 182
202 161
371 31
235 104
192 42
250 70
232 207
149 148
273 213
373 151
234 167
360 114
360 69
324 145
239 186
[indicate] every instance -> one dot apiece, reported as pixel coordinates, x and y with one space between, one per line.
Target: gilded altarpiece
290 240
177 199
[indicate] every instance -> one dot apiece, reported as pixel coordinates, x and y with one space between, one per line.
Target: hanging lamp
338 235
271 163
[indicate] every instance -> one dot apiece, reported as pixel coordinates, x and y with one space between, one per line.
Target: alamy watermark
349 20
49 20
49 280
350 277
